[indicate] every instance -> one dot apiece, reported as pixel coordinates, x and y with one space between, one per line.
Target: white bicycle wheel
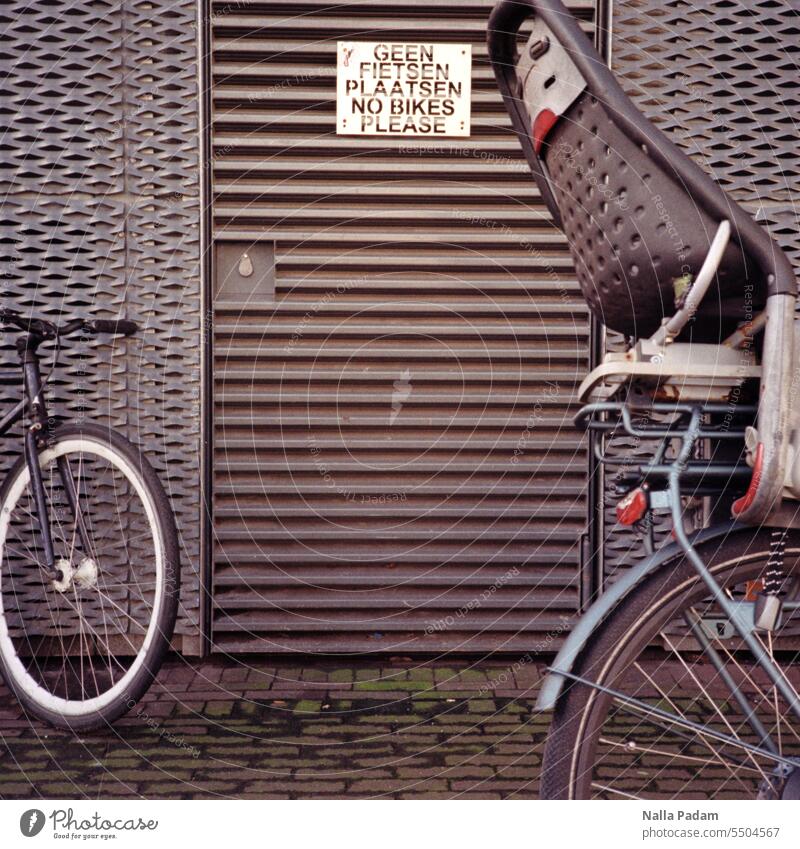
80 651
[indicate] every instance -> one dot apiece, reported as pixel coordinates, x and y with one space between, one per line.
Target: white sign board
394 89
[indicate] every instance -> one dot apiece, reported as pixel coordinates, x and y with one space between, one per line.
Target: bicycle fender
600 609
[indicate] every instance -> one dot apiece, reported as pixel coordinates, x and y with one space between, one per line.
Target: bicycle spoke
675 708
673 755
82 635
614 790
670 703
121 610
704 691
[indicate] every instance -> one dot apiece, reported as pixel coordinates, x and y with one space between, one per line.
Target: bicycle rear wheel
81 651
672 727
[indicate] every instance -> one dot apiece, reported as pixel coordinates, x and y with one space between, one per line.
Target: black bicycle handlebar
119 326
50 330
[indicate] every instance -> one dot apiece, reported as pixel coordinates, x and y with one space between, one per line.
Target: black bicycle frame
36 440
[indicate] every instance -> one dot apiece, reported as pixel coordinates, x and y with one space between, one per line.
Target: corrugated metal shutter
394 465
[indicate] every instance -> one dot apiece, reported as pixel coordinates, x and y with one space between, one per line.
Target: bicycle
680 679
89 557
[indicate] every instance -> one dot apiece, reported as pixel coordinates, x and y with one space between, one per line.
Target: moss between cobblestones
517 708
218 708
37 775
307 706
259 684
481 706
392 735
61 789
472 675
340 676
424 705
368 674
400 686
421 674
323 729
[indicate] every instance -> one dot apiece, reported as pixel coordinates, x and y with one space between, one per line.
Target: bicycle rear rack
682 428
706 434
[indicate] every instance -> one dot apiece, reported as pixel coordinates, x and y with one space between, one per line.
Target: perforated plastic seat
635 233
641 227
638 213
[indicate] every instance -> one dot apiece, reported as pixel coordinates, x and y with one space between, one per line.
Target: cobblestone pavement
245 728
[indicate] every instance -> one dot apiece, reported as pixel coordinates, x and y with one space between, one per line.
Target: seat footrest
677 372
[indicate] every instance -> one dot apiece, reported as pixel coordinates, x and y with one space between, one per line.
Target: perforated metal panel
722 79
395 465
99 177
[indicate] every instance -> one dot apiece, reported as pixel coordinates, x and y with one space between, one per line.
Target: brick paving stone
234 674
176 673
248 728
341 676
368 674
378 695
427 796
420 673
529 675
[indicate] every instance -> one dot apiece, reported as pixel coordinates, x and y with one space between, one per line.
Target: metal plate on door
244 271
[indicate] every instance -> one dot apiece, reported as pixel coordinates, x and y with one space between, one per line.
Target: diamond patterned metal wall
99 175
722 78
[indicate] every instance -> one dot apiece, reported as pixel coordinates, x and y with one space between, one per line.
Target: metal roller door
398 336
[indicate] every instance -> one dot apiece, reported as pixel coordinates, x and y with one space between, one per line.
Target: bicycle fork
35 442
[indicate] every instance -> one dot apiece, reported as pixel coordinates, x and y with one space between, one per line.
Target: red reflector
753 588
542 125
632 507
741 504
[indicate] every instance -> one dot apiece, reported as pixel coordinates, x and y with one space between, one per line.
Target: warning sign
392 89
